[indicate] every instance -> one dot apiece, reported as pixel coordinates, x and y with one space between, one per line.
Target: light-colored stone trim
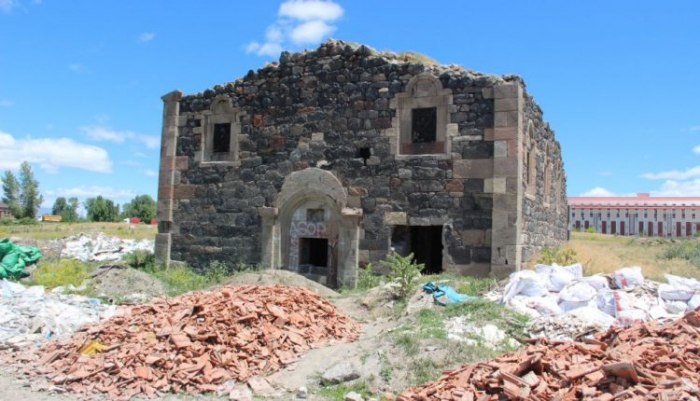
221 112
504 184
166 176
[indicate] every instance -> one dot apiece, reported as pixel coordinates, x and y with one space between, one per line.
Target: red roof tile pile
648 361
194 342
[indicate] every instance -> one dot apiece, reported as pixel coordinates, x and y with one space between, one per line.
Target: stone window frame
530 161
423 91
220 112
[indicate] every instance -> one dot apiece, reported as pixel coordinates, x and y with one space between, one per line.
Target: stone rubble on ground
564 305
339 373
30 315
353 396
101 247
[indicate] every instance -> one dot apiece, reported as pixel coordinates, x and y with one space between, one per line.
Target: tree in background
22 197
142 207
30 198
10 193
68 210
101 209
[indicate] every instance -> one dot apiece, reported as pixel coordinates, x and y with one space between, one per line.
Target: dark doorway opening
425 242
313 251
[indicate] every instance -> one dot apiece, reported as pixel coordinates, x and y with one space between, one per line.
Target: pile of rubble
200 341
564 304
647 361
30 315
101 247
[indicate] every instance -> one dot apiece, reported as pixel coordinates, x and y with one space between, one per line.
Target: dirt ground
384 366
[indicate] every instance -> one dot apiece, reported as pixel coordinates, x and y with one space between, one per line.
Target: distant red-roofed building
641 215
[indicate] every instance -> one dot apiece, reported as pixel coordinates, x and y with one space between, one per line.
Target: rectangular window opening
424 125
222 138
313 252
425 242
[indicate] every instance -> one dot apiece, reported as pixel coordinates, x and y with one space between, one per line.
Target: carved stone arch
423 85
221 104
310 209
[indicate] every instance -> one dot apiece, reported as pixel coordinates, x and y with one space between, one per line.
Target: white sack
628 277
525 282
577 292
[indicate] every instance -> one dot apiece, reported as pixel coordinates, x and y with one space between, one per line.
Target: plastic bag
694 302
598 282
577 292
557 277
628 277
613 302
546 306
525 282
671 292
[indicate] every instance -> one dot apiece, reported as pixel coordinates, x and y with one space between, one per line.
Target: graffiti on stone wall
305 229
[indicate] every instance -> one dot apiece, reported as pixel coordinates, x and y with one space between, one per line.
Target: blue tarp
441 292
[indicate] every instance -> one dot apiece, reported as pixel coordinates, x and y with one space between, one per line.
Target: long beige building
642 215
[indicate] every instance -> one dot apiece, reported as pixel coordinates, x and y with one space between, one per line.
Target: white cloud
7 5
694 128
299 22
598 191
151 141
679 188
149 172
6 103
696 149
147 37
606 173
311 32
674 174
99 133
307 10
51 154
102 133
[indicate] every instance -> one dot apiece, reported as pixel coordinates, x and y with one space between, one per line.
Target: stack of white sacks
622 298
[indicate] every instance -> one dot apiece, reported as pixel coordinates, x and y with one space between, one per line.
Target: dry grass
47 231
601 253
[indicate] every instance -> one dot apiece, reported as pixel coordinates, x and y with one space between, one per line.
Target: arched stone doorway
311 231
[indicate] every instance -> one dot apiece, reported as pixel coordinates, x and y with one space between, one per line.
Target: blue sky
81 80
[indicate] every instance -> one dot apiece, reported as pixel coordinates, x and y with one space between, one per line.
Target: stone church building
327 160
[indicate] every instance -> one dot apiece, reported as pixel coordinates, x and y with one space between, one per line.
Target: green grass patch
485 311
424 370
61 273
180 279
338 392
686 249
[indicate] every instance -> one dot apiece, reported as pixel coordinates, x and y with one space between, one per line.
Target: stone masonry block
507 202
505 167
395 218
505 119
487 93
480 168
181 162
476 237
501 133
507 104
500 149
184 191
499 185
506 91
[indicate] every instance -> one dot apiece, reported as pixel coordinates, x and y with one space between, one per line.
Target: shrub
590 230
549 256
367 279
405 271
216 271
688 250
26 221
61 273
140 259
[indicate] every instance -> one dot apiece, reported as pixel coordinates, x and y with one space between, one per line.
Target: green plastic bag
14 258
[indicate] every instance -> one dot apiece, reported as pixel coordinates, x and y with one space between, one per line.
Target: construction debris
14 258
647 361
101 247
31 316
196 342
563 304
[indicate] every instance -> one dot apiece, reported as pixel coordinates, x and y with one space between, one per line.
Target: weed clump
562 257
61 273
405 271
